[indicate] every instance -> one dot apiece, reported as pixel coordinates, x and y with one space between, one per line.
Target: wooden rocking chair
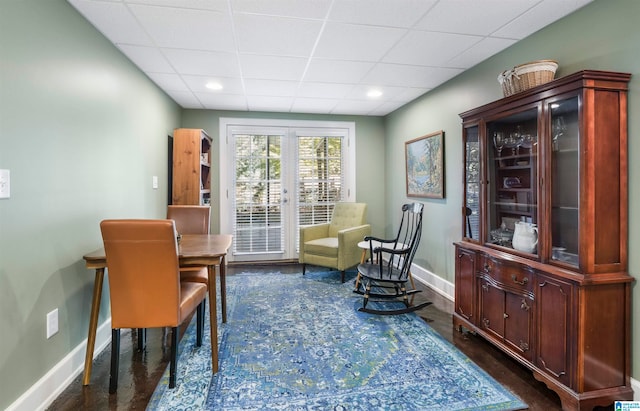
391 267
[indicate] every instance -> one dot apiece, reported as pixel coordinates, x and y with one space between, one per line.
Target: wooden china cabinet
553 160
191 180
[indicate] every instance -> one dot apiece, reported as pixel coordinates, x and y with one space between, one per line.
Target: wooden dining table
193 250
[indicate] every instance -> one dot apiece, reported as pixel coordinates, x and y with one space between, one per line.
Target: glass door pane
319 178
472 186
258 195
512 156
565 179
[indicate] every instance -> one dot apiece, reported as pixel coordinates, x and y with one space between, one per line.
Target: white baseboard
58 378
635 385
436 283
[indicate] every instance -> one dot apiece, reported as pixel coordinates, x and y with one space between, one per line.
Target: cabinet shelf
515 189
515 167
566 208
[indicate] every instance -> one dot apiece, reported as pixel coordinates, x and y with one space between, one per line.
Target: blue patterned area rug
299 343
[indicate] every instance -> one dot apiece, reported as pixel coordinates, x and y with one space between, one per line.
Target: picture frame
425 166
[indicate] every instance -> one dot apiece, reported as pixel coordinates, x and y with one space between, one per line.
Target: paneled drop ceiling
312 56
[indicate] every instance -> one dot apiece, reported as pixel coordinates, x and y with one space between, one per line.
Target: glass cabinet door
565 172
472 183
512 163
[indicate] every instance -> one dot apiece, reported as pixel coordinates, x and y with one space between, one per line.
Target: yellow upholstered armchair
335 244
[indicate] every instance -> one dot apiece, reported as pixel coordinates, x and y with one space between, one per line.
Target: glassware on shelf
559 128
515 141
529 140
499 142
511 142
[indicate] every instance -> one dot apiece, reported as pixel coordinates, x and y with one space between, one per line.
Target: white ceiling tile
272 67
396 13
316 9
186 99
204 63
269 103
358 107
114 21
429 49
219 5
479 52
186 28
410 94
198 84
223 101
409 76
313 105
324 90
386 108
169 82
276 35
356 42
149 59
336 71
257 87
462 16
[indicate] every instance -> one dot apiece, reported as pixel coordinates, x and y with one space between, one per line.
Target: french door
278 176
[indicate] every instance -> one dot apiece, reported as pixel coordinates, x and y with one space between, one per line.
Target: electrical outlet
52 323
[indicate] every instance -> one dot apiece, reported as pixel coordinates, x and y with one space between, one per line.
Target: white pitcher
525 237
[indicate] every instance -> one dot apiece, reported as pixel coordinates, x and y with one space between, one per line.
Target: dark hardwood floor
141 371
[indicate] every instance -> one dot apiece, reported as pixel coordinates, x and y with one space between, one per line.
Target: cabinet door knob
487 268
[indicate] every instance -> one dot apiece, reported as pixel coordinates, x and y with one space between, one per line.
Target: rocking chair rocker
391 267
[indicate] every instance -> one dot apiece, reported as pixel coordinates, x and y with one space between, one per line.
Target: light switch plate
5 184
154 182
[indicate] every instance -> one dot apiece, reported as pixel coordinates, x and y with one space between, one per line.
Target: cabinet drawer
510 275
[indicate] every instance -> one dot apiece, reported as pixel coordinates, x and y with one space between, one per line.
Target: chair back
407 239
347 215
190 219
143 272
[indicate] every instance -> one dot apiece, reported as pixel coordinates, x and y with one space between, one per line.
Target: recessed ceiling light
212 85
374 94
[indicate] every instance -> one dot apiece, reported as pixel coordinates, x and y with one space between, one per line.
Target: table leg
223 289
93 325
213 318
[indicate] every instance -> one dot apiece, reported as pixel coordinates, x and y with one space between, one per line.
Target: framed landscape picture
425 166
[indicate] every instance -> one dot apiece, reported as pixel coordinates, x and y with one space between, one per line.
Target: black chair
388 273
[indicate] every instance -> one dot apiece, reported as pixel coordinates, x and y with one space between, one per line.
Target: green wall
369 156
603 36
82 132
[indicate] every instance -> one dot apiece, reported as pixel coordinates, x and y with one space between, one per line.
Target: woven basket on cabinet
525 76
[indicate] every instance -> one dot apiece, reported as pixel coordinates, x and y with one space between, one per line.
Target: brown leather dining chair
191 219
145 287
